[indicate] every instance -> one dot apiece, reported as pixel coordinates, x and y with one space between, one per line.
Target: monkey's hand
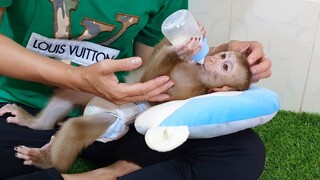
187 50
20 116
39 157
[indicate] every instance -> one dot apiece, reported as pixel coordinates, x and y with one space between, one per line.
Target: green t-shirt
113 24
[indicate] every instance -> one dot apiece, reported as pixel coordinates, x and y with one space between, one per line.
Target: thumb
126 64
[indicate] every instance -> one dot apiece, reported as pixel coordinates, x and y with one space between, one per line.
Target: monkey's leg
62 150
76 134
39 157
58 107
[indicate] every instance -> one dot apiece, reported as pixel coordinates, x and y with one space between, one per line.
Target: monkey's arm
148 53
161 61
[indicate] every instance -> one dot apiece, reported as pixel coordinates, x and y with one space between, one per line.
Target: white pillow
168 125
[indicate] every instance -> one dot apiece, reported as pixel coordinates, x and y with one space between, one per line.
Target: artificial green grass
80 166
292 143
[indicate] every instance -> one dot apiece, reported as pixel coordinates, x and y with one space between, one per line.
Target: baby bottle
180 27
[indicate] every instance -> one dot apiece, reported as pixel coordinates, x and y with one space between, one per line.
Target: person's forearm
20 63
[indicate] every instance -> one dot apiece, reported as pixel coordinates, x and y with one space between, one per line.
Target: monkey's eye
227 66
223 56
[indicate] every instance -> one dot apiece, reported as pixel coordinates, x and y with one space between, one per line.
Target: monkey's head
226 69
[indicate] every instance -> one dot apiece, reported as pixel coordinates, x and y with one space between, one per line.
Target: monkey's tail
75 135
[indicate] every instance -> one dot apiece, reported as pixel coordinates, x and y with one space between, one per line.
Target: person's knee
250 162
236 156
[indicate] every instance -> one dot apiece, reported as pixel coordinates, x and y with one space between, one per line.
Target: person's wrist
74 79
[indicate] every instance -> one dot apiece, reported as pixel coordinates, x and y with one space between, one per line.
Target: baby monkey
221 71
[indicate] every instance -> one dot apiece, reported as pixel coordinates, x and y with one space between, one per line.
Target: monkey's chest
185 86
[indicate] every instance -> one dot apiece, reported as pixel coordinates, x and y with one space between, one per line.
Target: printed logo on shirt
80 52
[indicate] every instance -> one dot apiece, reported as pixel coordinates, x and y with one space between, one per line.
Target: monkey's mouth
201 66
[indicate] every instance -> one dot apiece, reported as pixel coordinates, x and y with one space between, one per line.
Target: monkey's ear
221 89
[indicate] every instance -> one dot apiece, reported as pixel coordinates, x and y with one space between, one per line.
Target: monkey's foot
20 117
39 157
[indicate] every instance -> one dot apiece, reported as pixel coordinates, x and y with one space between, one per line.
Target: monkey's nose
212 59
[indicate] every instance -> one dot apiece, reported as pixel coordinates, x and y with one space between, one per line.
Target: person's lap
12 135
233 156
204 158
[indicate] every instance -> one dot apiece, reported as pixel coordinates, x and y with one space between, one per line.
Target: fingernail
165 97
251 60
15 148
254 78
135 61
254 71
171 84
164 78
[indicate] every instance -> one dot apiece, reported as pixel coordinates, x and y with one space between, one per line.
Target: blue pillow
168 125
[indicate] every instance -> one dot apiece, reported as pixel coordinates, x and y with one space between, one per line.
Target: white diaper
125 114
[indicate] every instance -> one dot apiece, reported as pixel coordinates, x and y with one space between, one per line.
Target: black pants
236 156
